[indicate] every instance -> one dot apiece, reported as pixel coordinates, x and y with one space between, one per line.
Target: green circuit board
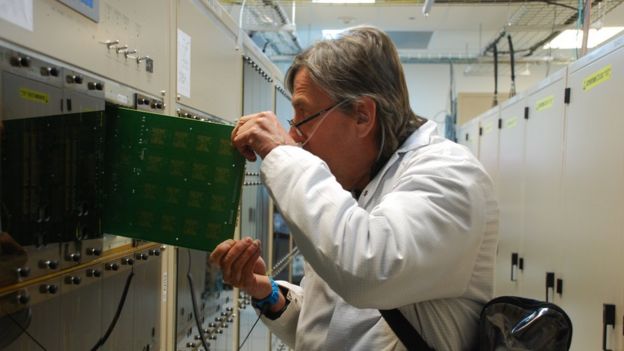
170 180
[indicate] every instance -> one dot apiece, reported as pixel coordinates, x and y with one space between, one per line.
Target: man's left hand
259 134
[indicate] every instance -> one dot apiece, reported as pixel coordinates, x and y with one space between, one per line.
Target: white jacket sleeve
285 327
418 242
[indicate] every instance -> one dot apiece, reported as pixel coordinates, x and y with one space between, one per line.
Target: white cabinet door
510 195
593 202
488 143
468 135
543 165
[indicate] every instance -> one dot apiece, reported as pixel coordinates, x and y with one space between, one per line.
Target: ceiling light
344 1
572 38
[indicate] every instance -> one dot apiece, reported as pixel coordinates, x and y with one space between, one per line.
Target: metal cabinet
543 234
593 197
511 126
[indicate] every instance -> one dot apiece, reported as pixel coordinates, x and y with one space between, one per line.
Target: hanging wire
26 331
277 268
198 323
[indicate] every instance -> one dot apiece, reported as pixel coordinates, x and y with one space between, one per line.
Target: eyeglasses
307 119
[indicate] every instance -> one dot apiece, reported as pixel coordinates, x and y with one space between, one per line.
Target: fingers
220 250
259 134
237 259
243 269
241 146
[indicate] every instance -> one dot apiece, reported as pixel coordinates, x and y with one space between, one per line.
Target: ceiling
460 31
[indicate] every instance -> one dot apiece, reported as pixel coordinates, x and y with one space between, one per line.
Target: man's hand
259 134
242 266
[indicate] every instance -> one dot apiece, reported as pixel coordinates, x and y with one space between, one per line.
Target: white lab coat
422 236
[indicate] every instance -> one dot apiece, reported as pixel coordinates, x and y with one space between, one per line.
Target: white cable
241 32
321 122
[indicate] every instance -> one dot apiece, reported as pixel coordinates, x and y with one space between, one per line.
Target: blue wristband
269 300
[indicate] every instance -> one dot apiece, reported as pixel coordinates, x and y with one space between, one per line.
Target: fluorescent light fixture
343 1
572 38
427 7
331 33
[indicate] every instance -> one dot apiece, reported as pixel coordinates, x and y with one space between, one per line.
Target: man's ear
366 115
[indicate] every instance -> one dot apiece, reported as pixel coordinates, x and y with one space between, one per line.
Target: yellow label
544 104
511 122
487 128
597 78
35 96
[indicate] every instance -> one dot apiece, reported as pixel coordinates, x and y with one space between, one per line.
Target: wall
428 85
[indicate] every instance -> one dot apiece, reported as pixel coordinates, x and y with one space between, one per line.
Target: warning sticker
545 103
597 78
487 128
511 122
35 96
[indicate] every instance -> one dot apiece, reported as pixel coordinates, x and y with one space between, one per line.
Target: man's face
328 136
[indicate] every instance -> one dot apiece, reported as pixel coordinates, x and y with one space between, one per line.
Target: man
386 214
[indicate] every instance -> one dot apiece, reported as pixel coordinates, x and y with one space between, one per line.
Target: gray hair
362 61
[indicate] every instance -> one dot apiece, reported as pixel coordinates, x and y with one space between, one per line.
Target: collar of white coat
420 137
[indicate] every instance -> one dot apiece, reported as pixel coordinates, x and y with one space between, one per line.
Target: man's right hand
242 266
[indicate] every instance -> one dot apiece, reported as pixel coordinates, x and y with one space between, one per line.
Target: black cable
264 310
26 332
194 301
277 268
111 327
495 50
513 66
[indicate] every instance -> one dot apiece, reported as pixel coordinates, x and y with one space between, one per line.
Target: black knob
49 71
15 61
111 266
93 251
43 264
154 252
159 105
128 261
99 86
91 85
74 257
73 79
23 299
140 256
72 280
23 272
95 273
48 289
24 61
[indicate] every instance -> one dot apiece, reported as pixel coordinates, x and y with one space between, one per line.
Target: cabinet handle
608 319
560 287
550 285
514 266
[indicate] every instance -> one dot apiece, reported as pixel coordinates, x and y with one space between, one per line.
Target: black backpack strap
404 330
